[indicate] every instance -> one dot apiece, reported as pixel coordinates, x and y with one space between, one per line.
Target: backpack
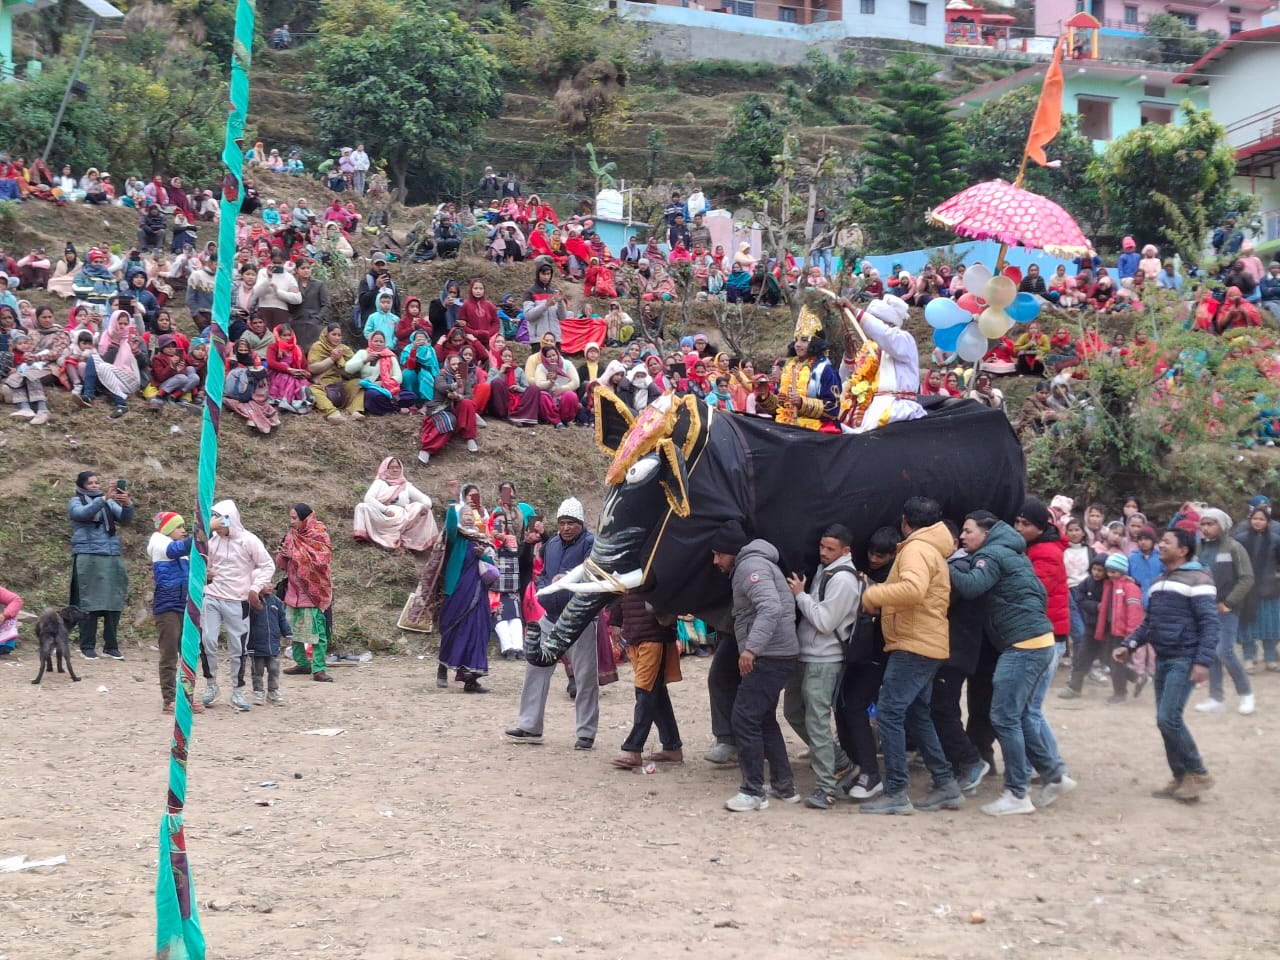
859 641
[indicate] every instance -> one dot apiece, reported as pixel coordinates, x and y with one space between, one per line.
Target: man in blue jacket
569 548
1182 625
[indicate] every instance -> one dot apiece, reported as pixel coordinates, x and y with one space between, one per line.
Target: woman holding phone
99 580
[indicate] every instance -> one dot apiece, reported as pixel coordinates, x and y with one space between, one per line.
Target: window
1155 113
1233 9
1234 27
1190 19
1095 117
868 7
919 13
787 14
1082 6
1131 16
1153 90
743 8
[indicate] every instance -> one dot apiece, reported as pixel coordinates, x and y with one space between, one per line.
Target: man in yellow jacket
913 606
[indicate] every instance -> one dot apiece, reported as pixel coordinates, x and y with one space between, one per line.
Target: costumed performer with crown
809 389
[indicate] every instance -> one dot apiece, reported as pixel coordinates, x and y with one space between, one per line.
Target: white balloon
976 279
972 345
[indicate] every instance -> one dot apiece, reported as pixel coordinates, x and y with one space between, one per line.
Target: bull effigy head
648 483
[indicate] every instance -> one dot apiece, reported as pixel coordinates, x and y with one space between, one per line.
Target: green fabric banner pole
178 934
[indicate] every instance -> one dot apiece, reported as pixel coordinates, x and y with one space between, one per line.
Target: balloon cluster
965 325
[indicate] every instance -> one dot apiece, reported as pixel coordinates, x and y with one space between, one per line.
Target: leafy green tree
1169 183
1176 42
554 39
26 117
744 156
418 92
915 158
997 134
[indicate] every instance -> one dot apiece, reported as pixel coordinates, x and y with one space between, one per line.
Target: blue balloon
945 337
1025 308
941 313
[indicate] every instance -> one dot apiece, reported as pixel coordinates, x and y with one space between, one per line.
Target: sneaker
1008 805
1211 706
1250 666
480 422
973 776
743 802
1169 791
1115 699
1053 790
787 795
819 800
866 786
210 693
523 736
722 754
81 400
424 458
24 413
1194 786
1246 707
274 698
40 419
89 654
1099 675
947 797
891 803
584 743
119 412
113 654
259 698
472 447
238 701
442 676
1069 693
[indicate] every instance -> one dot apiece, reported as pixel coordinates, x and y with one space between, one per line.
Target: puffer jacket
1016 598
913 601
1047 555
267 626
764 611
170 568
88 514
1120 610
1182 616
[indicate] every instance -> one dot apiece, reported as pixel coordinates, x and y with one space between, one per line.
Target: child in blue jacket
267 627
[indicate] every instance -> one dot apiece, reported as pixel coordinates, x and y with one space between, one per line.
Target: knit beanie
166 523
1259 501
1149 532
571 509
1118 561
1035 513
1224 521
729 539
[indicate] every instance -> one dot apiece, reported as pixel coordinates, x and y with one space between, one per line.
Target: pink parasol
1017 217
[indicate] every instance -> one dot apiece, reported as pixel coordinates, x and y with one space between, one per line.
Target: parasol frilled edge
1000 211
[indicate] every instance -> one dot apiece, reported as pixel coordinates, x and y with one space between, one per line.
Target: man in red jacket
1046 547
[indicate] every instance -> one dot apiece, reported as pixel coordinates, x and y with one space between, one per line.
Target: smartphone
734 363
675 370
278 270
120 484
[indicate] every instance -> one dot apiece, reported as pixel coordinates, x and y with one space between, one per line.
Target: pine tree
914 160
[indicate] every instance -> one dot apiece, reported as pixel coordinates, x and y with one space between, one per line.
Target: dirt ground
419 832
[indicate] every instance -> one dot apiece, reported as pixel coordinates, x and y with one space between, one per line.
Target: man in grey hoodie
764 617
828 611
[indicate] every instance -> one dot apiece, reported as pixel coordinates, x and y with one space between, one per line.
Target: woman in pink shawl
395 513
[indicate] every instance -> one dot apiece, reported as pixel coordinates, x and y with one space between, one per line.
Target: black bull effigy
681 469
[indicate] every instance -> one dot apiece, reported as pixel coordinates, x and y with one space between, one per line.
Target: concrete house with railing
1239 77
1129 17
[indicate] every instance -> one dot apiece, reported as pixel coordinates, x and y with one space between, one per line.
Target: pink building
1123 18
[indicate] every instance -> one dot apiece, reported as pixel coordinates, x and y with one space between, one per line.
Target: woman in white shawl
395 513
114 367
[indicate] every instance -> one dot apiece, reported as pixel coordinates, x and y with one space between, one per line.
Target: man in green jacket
1232 571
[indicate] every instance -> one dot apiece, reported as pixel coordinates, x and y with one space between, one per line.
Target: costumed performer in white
898 386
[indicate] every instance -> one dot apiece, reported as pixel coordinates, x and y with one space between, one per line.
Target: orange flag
1049 111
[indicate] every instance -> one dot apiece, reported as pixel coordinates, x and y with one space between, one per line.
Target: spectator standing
99 580
1233 574
359 169
305 558
1182 625
654 652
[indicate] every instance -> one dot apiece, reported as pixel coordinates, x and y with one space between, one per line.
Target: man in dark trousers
764 617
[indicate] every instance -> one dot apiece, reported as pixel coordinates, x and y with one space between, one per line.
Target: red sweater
281 357
480 317
1120 612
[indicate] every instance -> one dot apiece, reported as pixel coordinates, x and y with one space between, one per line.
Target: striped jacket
1182 616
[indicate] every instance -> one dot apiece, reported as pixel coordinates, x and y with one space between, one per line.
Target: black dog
53 630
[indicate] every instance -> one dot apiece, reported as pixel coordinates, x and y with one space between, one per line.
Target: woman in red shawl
288 375
304 557
1235 312
478 315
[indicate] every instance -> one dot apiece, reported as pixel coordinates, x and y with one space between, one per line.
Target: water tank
609 204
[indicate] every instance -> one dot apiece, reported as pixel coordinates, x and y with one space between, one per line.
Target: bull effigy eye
642 469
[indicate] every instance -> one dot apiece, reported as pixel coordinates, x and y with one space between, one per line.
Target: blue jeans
1230 626
1036 706
1017 677
1173 687
822 258
905 696
1077 626
90 385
